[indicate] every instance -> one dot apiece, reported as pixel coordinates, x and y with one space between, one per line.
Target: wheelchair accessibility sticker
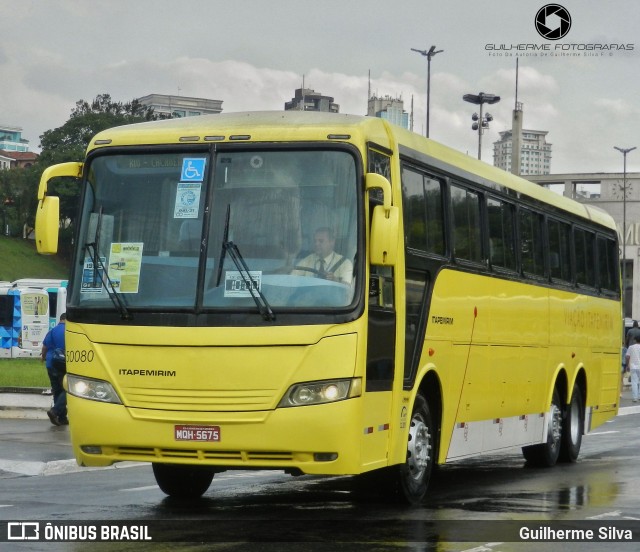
192 169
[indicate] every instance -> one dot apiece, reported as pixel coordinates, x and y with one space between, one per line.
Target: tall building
306 99
11 139
535 152
391 109
181 106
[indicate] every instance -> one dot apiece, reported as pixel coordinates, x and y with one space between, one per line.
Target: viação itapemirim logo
553 21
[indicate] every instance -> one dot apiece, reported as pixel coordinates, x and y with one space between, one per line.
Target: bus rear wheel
572 427
180 481
546 454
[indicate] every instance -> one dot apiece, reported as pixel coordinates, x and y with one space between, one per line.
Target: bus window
273 205
607 274
531 247
502 247
559 250
423 213
379 163
467 238
416 298
584 249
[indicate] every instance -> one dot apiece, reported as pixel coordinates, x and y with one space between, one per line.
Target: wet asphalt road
472 501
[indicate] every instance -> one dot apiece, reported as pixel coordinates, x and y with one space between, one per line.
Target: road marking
604 432
616 514
147 488
483 548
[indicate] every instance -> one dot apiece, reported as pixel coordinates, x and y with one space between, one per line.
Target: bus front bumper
318 439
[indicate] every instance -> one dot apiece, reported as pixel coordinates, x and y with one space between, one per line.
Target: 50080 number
80 356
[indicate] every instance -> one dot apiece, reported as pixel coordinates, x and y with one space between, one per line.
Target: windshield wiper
101 270
229 247
223 249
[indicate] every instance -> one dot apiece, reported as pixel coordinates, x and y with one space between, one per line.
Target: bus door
57 304
425 251
381 351
381 339
7 301
33 323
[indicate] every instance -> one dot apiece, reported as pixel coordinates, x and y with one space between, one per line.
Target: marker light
92 389
321 392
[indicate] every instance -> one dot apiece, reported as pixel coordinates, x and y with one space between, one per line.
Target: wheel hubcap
555 425
574 428
419 448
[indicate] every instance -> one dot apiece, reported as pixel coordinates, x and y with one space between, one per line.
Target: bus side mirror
384 224
48 210
48 225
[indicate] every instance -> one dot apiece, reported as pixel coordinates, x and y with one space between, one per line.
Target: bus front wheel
546 454
183 481
414 474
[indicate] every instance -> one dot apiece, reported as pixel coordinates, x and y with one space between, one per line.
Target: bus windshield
237 230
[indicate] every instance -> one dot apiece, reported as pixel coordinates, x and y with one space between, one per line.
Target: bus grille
159 454
201 401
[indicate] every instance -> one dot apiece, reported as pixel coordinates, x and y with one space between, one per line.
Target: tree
69 143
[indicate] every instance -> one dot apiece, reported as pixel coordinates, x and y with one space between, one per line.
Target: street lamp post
8 202
624 152
481 122
428 54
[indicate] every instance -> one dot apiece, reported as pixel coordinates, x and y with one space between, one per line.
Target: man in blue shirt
52 341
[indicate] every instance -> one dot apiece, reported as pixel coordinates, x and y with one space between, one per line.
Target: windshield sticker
187 200
237 286
125 262
193 169
92 276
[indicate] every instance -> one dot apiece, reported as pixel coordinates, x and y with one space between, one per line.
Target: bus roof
260 126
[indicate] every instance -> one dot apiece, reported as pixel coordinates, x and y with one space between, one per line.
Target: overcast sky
252 55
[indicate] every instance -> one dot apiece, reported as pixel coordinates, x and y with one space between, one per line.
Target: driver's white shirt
333 263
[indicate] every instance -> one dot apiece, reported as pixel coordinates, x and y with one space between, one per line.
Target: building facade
17 159
391 109
609 192
11 139
181 106
535 153
306 99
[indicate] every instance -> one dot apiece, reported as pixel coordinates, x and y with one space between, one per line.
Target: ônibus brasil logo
553 21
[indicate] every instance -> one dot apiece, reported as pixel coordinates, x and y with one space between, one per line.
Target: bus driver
324 262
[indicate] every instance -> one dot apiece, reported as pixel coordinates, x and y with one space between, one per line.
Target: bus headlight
92 389
321 392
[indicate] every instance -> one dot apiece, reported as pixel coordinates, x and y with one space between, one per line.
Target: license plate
197 433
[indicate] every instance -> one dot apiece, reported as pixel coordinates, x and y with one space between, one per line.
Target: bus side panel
375 429
587 329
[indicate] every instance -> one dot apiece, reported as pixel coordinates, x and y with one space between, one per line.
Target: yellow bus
461 310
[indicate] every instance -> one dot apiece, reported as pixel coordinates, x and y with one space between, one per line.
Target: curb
26 390
24 413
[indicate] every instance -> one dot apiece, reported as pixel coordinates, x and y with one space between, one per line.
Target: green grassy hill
19 259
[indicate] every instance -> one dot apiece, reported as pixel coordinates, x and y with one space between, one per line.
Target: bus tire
181 481
572 427
547 454
413 476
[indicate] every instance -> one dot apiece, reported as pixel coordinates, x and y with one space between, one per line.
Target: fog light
325 456
91 449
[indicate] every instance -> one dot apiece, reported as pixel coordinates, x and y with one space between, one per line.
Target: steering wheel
314 271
